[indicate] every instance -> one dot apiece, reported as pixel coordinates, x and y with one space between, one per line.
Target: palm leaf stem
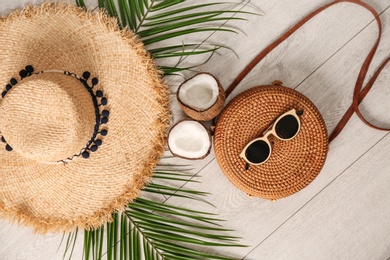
142 20
170 27
189 16
182 10
223 24
136 227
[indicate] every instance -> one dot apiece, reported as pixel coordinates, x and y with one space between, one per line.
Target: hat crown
48 117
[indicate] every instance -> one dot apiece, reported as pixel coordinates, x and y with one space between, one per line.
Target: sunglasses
285 127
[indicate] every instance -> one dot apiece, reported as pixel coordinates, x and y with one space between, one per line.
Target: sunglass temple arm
299 112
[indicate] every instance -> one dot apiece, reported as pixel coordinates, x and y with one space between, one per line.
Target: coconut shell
203 114
183 157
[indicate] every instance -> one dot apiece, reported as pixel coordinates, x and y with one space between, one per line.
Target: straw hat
83 117
293 164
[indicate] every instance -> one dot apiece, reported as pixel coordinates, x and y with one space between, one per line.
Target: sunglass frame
271 131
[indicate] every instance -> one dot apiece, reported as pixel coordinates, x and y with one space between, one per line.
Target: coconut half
201 97
189 139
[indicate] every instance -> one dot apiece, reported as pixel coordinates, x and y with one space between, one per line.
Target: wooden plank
253 218
256 219
298 56
349 219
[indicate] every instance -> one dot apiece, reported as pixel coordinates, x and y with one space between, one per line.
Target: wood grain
346 220
344 213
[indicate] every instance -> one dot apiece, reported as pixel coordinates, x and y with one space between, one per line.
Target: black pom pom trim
85 155
29 69
95 81
98 142
8 148
13 81
86 75
104 120
94 148
101 116
23 73
104 132
105 113
104 101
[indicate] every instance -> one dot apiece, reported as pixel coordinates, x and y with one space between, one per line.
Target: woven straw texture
82 193
293 164
55 133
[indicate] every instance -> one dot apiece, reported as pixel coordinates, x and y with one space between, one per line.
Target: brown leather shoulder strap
359 91
357 99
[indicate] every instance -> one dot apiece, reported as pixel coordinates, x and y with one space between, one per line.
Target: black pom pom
105 113
8 87
3 139
104 132
94 148
29 68
104 101
104 120
86 75
23 73
98 142
95 81
85 154
13 81
3 94
8 148
99 93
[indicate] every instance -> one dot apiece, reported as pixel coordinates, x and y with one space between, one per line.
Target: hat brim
84 193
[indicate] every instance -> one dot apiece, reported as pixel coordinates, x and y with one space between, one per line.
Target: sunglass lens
287 127
257 152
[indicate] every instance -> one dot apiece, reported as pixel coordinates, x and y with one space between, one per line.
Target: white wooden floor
345 212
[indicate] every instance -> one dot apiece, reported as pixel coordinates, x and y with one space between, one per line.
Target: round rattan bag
293 164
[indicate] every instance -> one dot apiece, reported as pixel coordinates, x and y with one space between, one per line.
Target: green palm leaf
157 21
156 230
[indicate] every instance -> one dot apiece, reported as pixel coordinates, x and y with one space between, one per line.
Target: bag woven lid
293 164
83 117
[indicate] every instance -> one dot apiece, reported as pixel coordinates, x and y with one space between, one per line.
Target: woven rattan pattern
293 164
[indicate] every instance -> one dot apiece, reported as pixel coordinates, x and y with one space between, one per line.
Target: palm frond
80 3
157 21
153 230
101 3
110 7
70 244
147 230
156 230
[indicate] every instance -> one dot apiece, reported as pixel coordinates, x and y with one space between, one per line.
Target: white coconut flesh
200 91
189 139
